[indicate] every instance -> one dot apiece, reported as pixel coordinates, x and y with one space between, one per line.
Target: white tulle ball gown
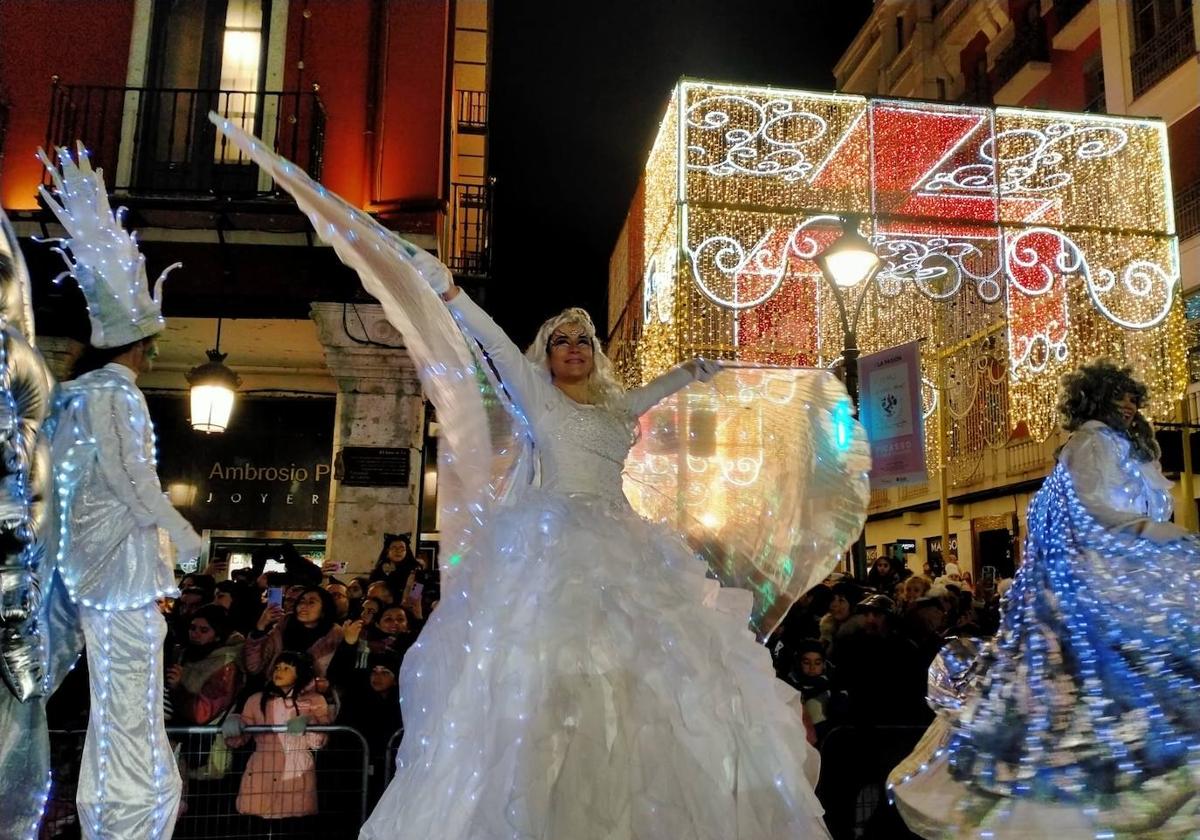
582 677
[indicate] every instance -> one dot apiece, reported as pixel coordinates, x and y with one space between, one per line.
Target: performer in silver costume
112 518
27 586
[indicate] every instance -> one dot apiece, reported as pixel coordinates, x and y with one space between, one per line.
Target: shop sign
269 471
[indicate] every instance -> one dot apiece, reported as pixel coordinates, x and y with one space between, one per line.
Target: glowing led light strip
1138 277
742 151
906 256
1043 160
658 290
732 260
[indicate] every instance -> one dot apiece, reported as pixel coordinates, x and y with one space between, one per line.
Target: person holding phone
311 628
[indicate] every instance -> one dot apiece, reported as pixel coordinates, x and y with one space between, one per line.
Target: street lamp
213 387
849 262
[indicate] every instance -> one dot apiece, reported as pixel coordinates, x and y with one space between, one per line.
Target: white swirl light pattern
935 265
769 144
1140 279
1037 164
732 260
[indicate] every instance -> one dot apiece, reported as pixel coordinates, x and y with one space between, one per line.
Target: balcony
159 142
1076 20
472 111
470 230
1187 211
1022 65
1154 60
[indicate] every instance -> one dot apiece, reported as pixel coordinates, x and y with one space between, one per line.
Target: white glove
702 369
187 545
430 268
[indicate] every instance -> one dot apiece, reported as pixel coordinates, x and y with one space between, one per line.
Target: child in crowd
280 784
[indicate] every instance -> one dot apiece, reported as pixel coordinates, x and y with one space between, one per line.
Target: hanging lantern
213 388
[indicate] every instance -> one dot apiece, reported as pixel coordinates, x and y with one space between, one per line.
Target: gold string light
1016 243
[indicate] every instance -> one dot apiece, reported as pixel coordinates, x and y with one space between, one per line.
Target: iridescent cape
783 461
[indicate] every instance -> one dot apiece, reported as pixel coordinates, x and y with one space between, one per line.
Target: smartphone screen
275 596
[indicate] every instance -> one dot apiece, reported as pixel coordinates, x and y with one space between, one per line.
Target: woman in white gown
582 677
601 698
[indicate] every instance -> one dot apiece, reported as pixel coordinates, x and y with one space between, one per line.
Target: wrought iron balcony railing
158 141
1187 211
1158 56
472 111
1029 44
470 229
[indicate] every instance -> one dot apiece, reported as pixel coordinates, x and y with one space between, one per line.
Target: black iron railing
1029 44
158 141
472 111
1187 211
1158 56
470 229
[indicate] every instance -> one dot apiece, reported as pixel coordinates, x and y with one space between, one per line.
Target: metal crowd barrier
215 804
389 755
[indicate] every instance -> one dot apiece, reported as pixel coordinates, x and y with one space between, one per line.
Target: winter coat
208 686
260 650
281 779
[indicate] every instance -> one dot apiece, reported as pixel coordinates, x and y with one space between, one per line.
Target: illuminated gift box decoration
1016 243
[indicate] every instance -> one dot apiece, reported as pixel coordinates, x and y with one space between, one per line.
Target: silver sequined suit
109 546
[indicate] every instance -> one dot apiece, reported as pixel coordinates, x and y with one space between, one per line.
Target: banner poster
890 407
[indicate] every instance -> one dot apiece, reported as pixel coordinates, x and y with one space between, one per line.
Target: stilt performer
112 518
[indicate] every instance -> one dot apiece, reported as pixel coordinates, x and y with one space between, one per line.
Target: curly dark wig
1091 392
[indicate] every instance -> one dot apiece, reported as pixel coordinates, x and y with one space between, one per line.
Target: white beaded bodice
582 449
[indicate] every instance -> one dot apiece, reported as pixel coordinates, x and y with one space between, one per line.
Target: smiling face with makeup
570 352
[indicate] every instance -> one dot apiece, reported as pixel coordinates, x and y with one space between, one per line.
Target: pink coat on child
281 779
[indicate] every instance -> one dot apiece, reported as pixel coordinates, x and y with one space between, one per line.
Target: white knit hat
101 255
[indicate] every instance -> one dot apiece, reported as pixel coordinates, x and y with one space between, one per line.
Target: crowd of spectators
859 654
294 649
297 649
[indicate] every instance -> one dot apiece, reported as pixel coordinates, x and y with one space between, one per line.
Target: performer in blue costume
1081 719
582 678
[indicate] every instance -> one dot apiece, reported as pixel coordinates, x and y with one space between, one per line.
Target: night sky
578 88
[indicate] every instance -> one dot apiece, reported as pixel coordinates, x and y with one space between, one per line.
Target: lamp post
213 389
847 263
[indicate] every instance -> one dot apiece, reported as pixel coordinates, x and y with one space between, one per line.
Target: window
1153 17
941 88
241 62
206 55
899 32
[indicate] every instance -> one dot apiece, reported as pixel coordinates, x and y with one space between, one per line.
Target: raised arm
640 400
529 388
